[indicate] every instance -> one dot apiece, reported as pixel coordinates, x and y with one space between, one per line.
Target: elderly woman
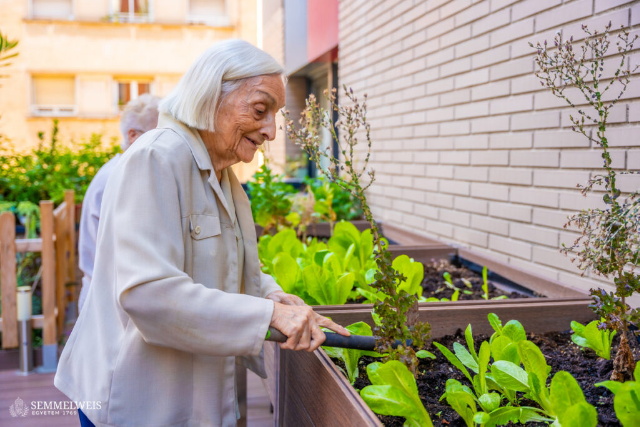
177 292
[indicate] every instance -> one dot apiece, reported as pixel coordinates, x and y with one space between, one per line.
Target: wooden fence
57 245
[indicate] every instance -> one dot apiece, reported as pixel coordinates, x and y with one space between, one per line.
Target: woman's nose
269 128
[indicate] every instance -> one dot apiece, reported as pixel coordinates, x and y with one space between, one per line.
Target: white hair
217 72
139 114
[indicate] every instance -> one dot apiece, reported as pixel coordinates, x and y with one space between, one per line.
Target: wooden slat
49 333
69 200
37 322
60 230
404 237
8 279
28 245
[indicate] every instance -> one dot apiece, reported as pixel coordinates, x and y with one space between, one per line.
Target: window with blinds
53 96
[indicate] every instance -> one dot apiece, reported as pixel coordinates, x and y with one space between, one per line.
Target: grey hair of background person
217 72
140 114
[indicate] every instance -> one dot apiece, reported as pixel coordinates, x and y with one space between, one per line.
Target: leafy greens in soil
561 354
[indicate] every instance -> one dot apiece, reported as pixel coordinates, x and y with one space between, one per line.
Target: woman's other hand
301 324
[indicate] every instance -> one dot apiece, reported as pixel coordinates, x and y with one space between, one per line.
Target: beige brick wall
468 147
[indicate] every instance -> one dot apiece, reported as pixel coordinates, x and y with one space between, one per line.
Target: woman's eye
260 111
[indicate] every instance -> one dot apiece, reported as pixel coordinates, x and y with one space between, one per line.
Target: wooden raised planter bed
312 391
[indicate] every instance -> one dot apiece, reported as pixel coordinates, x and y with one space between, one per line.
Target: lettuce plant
626 401
271 199
394 392
591 336
351 357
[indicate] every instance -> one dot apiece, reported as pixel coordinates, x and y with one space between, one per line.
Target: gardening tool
355 342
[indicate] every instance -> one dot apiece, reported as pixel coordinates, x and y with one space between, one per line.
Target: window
209 12
132 11
128 90
53 96
51 9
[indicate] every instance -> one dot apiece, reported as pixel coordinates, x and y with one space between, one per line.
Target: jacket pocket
204 226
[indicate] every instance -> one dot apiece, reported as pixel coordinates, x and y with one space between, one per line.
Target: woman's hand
300 323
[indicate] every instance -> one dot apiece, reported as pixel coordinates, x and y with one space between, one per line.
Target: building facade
468 147
80 61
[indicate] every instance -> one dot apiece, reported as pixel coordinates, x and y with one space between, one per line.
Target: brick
439 114
511 104
472 205
457 218
527 83
456 36
558 178
602 5
425 130
494 89
535 120
472 78
403 206
518 176
512 68
454 157
455 97
459 127
453 7
401 156
414 118
536 158
490 124
531 7
629 183
490 191
591 159
470 142
426 20
491 225
440 85
491 22
425 184
540 235
425 76
439 228
413 195
455 67
490 57
472 237
475 45
413 66
413 145
413 221
475 12
510 211
626 136
575 201
427 102
545 100
427 212
510 246
439 199
441 27
440 143
535 197
506 34
440 171
546 272
574 280
499 4
455 187
617 18
474 109
471 173
550 217
559 139
560 15
635 14
633 160
490 157
511 140
401 181
552 258
426 47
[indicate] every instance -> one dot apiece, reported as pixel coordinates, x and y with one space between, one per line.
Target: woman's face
246 119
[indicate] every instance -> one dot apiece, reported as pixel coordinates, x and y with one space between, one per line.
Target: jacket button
197 229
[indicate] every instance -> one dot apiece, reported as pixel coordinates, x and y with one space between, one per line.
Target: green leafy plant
399 310
332 201
609 244
394 392
51 168
591 336
271 199
626 401
351 357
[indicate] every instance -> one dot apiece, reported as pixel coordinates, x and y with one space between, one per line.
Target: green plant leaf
453 360
510 375
581 414
465 357
286 272
490 402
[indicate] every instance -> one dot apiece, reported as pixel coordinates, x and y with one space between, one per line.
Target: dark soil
561 354
435 286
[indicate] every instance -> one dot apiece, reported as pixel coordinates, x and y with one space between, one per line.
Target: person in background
139 116
177 292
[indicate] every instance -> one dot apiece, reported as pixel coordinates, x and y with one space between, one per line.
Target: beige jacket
165 315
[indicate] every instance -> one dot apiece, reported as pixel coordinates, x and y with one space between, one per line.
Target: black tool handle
357 342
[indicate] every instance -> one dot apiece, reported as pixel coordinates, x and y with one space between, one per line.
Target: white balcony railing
54 110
